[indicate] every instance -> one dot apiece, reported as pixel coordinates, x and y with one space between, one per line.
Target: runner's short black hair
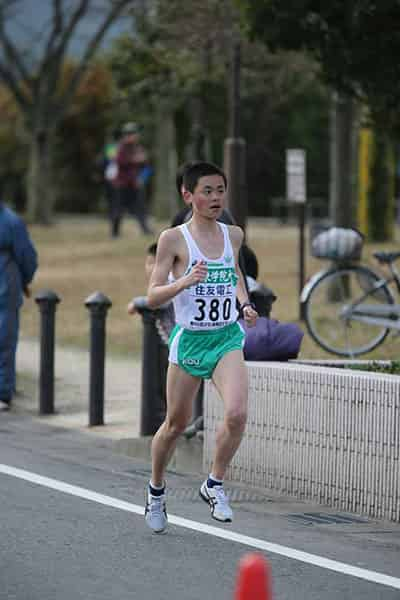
152 249
199 169
179 174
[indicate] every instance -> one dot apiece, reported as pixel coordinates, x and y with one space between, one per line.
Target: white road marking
226 534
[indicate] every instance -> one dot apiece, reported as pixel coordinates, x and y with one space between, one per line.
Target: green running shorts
198 352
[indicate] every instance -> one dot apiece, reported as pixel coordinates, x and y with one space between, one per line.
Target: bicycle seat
386 257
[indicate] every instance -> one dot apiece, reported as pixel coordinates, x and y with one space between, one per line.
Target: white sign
296 175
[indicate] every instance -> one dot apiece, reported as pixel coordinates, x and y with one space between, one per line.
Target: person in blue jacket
18 263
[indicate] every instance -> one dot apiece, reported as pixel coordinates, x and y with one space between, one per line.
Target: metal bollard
154 369
47 301
98 305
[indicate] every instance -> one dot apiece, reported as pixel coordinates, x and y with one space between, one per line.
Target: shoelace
220 495
156 505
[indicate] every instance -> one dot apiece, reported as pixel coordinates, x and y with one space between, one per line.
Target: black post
302 218
154 368
47 301
98 304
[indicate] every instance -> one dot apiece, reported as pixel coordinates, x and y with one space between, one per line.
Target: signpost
296 193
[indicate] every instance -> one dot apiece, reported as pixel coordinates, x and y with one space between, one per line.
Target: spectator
18 263
131 159
165 320
110 171
148 267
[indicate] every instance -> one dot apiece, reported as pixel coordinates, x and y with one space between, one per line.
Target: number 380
215 309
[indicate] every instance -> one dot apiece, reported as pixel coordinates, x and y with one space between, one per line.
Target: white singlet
210 304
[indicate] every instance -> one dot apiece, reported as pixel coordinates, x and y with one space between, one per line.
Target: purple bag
271 340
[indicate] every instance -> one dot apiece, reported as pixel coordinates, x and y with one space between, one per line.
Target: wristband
242 306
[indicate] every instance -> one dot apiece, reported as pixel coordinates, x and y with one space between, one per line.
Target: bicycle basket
338 243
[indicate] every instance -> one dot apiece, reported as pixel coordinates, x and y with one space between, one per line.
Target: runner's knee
236 419
175 427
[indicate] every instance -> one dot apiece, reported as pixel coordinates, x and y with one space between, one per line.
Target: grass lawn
77 257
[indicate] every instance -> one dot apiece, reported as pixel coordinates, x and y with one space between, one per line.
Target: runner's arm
236 235
249 313
160 291
241 292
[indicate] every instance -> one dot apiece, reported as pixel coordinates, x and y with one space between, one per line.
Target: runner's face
208 198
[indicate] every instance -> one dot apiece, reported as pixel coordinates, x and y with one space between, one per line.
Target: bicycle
349 309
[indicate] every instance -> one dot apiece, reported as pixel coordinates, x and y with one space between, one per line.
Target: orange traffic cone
254 578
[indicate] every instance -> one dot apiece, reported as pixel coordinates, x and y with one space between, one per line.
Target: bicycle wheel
328 310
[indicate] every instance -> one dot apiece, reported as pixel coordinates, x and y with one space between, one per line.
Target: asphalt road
71 527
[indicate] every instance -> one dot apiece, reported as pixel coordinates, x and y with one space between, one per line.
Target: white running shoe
217 501
156 513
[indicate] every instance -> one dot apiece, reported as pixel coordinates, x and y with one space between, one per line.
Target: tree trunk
343 162
235 169
381 203
40 190
235 146
343 166
198 148
165 193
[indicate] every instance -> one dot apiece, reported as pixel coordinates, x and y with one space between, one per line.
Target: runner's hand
250 316
197 274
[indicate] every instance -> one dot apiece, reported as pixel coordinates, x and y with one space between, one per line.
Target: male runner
197 267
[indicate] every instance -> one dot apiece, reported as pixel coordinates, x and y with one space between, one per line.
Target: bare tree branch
10 51
58 23
8 78
88 54
34 83
57 28
7 4
70 28
52 61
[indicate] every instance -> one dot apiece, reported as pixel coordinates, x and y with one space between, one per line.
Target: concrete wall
327 435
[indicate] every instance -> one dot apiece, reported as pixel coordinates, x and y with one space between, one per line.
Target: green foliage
393 368
142 76
170 63
182 62
79 143
356 43
284 106
13 151
176 61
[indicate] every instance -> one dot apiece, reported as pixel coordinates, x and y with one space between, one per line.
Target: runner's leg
181 390
230 379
